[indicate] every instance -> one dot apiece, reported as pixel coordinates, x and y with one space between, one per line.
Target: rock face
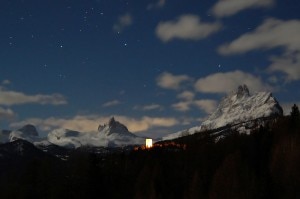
237 107
27 132
114 127
240 106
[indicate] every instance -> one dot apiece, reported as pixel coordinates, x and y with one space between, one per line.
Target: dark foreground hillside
264 164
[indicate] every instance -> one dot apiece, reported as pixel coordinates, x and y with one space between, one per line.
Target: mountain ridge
237 107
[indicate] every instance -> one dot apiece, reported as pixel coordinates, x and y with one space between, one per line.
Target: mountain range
239 110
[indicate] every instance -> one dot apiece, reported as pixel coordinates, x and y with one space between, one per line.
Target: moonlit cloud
6 82
206 105
158 4
9 98
225 8
273 33
188 101
149 107
186 95
90 123
111 103
169 81
225 82
288 64
123 22
6 114
182 106
186 27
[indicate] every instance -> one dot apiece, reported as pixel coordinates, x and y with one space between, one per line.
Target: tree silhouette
295 115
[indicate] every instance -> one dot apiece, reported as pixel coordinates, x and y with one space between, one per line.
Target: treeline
264 164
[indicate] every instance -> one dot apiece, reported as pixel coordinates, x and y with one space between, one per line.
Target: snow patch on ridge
237 107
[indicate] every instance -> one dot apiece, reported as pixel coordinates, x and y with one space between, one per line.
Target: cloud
169 81
225 82
186 95
224 8
9 98
6 82
272 33
149 107
182 106
111 103
90 123
123 22
158 4
288 64
187 27
6 114
206 105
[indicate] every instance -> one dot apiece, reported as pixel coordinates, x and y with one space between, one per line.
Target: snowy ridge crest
113 134
238 106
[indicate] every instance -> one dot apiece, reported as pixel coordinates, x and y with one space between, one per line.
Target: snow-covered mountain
113 134
237 107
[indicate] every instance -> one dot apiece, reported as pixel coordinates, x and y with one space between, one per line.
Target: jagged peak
113 126
112 122
242 91
29 129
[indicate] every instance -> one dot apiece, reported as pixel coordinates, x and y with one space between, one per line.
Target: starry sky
158 66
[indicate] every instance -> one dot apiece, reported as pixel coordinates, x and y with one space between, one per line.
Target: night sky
158 66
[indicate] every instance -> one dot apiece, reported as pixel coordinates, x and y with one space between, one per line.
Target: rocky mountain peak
242 91
113 126
29 130
112 122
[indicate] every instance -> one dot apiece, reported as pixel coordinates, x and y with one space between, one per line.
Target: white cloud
225 82
187 27
90 123
9 98
225 8
186 95
6 82
111 103
169 81
149 107
123 22
158 4
273 33
288 64
182 106
206 105
6 114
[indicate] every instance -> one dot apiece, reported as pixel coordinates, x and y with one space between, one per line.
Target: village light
149 143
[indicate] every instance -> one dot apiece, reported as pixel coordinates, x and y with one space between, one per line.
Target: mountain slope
235 108
113 134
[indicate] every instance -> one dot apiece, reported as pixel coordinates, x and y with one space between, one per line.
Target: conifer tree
295 115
